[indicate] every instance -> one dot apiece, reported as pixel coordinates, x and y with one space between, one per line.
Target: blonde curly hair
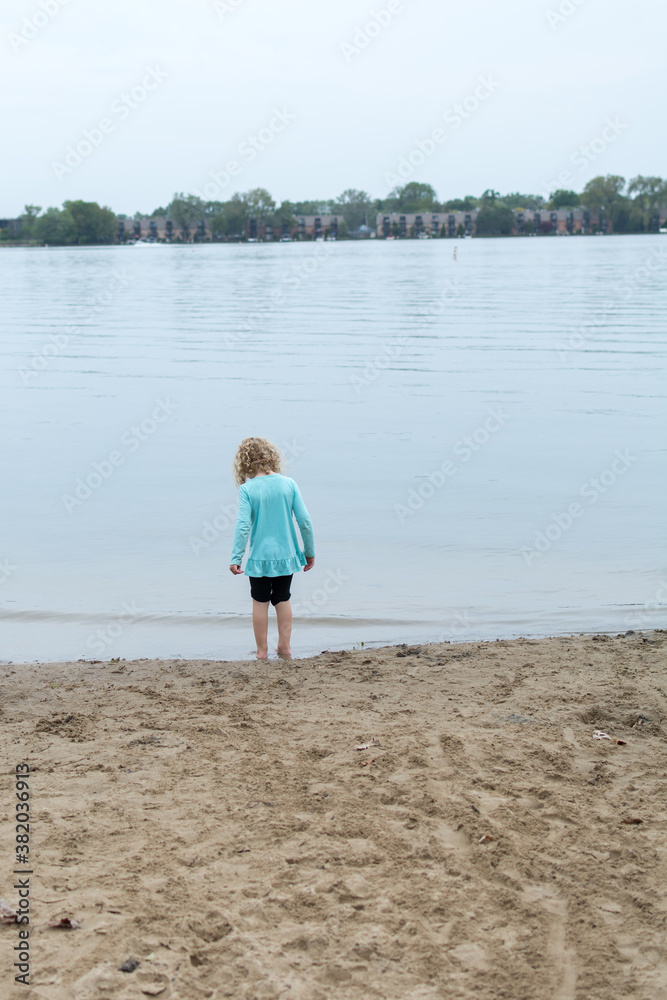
255 455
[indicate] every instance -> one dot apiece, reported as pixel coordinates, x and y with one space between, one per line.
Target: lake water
479 439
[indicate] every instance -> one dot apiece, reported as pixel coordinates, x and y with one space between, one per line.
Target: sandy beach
217 823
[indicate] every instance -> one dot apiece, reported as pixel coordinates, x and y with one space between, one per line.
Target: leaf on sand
632 821
65 923
7 915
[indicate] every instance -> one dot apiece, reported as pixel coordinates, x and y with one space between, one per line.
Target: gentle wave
178 619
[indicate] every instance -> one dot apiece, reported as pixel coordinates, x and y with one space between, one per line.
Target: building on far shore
316 226
155 229
308 227
13 226
540 222
404 225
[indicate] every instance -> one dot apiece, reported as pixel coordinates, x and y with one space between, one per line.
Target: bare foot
262 654
284 654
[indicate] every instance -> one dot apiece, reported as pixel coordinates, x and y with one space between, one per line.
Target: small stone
129 966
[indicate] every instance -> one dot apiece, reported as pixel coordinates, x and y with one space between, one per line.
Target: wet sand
214 822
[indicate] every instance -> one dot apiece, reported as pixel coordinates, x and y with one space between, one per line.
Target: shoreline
12 245
356 647
403 821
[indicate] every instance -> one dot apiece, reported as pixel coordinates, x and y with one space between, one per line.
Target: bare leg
260 625
284 616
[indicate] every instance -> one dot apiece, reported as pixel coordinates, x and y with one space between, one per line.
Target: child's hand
235 570
310 562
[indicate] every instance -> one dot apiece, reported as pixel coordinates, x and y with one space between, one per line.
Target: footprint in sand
563 959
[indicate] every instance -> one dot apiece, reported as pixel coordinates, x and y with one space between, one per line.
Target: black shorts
270 588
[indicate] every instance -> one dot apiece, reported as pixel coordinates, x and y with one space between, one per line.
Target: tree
28 219
311 207
649 195
186 210
517 200
413 197
213 208
466 204
353 205
218 225
235 214
494 219
627 217
56 227
285 215
602 193
562 198
388 204
259 203
92 223
489 198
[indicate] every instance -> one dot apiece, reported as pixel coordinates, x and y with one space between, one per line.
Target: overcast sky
331 103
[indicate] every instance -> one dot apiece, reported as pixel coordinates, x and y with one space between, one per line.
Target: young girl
268 504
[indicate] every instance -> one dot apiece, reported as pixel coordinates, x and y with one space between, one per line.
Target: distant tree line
77 222
630 207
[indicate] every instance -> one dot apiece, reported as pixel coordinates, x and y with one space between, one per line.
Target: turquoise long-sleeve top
268 506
